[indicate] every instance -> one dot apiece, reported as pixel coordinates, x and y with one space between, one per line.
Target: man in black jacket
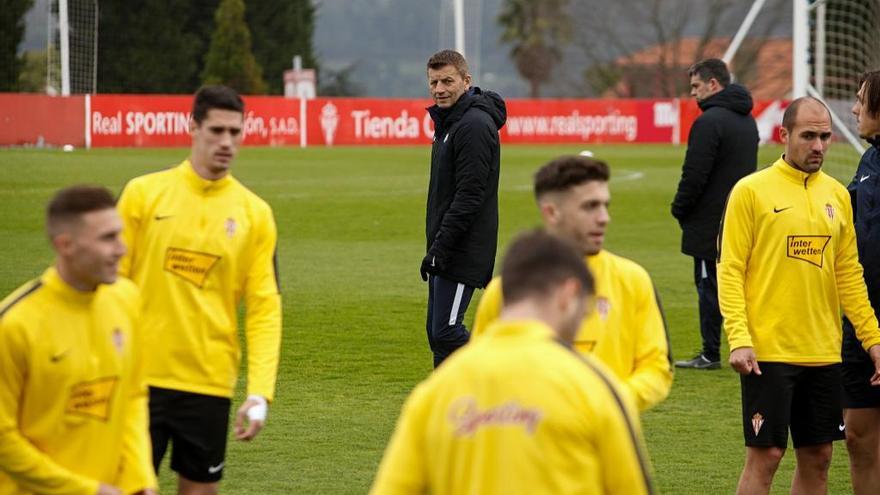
722 148
861 401
462 215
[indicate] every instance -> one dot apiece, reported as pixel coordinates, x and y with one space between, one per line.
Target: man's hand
743 360
430 264
253 412
108 490
874 352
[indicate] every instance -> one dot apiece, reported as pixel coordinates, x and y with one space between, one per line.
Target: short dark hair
449 57
72 202
871 96
567 171
790 115
536 262
215 97
711 68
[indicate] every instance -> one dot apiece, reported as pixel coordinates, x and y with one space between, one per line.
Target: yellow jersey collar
596 259
53 281
530 329
793 174
199 184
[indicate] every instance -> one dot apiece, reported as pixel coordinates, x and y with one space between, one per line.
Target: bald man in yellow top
517 411
73 403
627 331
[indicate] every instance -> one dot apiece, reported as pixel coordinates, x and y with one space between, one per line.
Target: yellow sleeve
403 469
489 307
129 207
32 469
263 310
735 241
136 473
618 437
851 283
651 378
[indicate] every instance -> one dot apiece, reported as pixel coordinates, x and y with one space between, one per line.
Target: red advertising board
590 121
163 120
42 119
347 121
145 120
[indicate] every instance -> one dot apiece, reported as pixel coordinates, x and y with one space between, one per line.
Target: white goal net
72 47
844 41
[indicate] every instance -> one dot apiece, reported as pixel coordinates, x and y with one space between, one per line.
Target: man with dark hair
722 148
517 408
461 223
626 332
861 401
787 265
200 244
73 404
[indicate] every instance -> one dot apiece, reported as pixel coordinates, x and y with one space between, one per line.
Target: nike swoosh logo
864 178
162 217
841 427
58 356
215 469
777 210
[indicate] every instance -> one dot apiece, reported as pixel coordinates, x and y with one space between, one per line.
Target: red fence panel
145 120
163 120
42 119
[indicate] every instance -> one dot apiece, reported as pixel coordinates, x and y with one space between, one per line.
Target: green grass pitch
351 237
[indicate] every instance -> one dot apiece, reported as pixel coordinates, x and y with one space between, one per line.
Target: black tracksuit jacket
461 223
722 149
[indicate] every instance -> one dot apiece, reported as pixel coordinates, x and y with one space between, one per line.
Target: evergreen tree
11 32
153 46
229 60
281 29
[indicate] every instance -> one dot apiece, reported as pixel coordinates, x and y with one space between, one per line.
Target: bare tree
639 48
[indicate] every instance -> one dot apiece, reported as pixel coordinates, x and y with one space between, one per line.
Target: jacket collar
53 281
200 185
793 174
528 329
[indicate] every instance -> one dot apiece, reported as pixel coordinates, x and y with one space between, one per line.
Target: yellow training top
787 264
625 331
196 248
73 405
512 413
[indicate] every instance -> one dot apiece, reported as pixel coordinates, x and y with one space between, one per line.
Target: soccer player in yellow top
787 265
200 244
626 332
73 404
518 411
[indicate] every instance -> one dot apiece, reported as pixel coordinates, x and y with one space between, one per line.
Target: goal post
834 41
72 47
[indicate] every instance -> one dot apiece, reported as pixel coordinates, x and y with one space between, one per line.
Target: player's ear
783 135
193 126
549 211
63 243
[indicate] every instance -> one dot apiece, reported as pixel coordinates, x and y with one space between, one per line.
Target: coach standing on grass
722 149
73 404
787 265
861 401
200 244
462 212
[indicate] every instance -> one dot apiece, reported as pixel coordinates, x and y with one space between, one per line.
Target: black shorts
805 399
197 427
856 371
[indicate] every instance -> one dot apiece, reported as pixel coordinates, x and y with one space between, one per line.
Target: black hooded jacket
722 149
461 223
